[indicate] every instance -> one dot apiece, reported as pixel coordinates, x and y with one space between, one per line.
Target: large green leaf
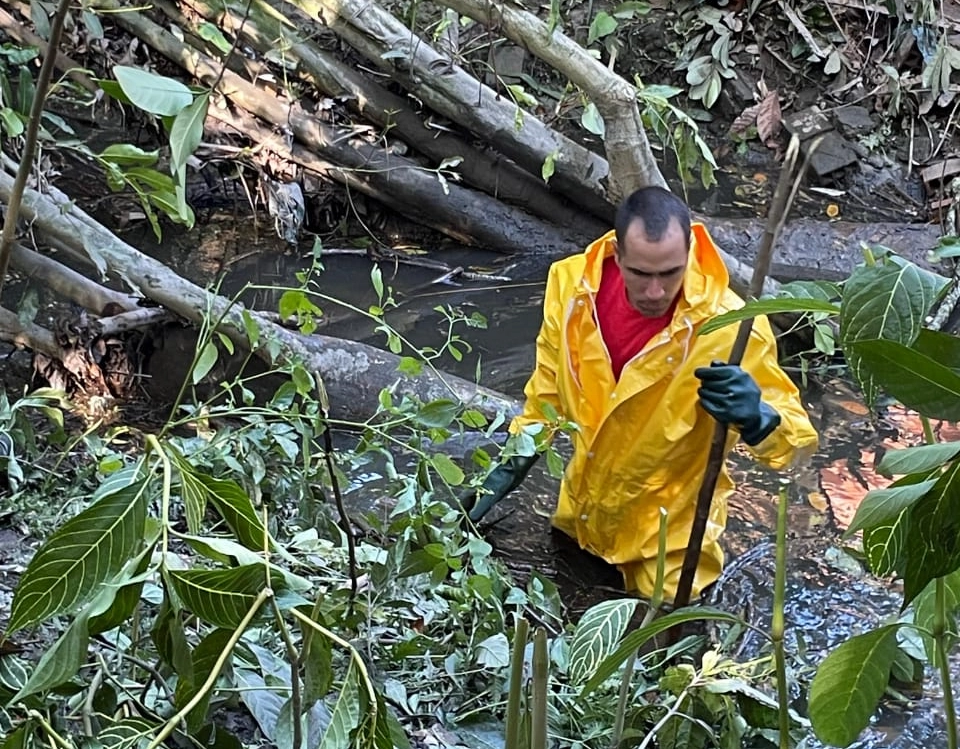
129 586
80 556
886 301
916 380
939 346
153 93
918 459
346 713
187 132
236 508
221 597
933 539
639 636
849 683
597 634
60 662
882 506
204 658
884 545
768 307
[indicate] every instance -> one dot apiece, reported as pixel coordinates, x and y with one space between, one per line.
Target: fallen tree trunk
353 373
483 169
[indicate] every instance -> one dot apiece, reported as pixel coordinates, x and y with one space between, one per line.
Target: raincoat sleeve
795 438
542 385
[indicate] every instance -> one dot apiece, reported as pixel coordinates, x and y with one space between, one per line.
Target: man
619 355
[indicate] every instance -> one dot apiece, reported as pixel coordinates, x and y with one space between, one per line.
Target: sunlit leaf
849 683
448 470
884 544
80 556
220 597
592 121
881 506
205 362
918 459
884 301
153 93
212 33
633 640
597 634
438 413
916 380
768 307
602 25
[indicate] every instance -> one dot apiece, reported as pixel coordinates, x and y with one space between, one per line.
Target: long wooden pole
787 185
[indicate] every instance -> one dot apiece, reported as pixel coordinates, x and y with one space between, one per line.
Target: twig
30 140
345 524
207 685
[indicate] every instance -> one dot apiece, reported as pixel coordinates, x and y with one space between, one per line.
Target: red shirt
624 330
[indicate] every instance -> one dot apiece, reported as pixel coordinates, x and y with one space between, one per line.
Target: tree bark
483 169
466 215
452 92
631 161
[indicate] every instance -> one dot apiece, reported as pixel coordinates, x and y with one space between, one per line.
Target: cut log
466 215
629 158
483 169
453 93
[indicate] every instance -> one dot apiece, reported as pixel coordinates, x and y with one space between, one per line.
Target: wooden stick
779 208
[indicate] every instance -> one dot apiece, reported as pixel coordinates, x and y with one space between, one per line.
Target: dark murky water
830 598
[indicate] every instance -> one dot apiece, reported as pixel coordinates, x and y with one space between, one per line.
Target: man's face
652 271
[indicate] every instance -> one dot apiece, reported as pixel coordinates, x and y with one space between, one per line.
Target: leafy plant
910 528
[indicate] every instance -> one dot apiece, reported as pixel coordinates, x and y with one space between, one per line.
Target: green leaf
767 307
933 539
60 662
639 636
939 346
220 597
211 33
409 366
153 93
207 359
187 132
476 420
884 545
596 635
236 508
437 414
448 470
592 121
129 583
251 328
924 608
204 658
13 124
881 506
603 24
128 733
849 683
317 666
886 301
916 380
170 639
918 459
80 556
125 154
346 713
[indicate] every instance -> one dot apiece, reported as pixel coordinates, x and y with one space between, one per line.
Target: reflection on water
829 596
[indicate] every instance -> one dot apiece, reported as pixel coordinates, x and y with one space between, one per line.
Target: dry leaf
769 118
745 121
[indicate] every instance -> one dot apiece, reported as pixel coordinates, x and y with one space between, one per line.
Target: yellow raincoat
643 441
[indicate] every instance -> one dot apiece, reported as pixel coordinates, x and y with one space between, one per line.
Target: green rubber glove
502 480
731 396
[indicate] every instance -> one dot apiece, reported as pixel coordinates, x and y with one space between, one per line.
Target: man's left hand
731 396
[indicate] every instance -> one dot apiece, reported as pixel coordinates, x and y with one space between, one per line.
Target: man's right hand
502 480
